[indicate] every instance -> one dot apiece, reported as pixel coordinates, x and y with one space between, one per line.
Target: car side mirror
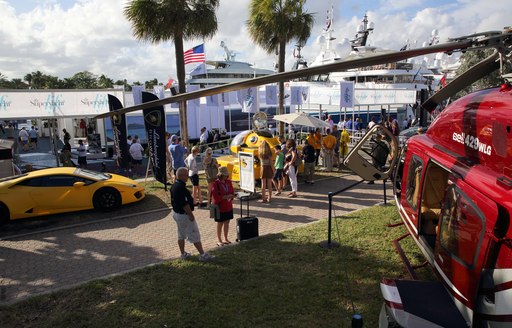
78 184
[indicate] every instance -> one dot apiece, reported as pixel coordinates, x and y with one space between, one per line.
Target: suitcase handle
242 199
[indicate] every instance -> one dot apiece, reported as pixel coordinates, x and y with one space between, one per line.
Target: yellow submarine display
248 142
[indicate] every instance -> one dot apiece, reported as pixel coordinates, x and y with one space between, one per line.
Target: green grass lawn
281 280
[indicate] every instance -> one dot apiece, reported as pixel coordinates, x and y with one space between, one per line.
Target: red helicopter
453 189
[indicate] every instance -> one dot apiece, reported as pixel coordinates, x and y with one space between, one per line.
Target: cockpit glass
238 140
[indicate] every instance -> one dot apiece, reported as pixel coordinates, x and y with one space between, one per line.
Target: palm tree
176 20
28 78
37 79
274 23
3 81
149 85
104 82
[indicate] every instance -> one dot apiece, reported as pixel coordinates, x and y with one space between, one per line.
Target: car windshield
92 174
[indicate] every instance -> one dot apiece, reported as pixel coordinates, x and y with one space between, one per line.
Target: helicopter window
434 187
461 226
413 182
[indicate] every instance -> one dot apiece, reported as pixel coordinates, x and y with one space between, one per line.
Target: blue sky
63 37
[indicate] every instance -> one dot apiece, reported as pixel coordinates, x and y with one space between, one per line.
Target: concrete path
48 261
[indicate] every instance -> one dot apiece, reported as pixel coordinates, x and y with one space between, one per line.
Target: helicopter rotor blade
290 75
470 76
458 44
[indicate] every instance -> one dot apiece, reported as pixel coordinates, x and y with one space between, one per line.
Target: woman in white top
193 174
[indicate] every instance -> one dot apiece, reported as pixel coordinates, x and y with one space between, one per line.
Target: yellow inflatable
248 142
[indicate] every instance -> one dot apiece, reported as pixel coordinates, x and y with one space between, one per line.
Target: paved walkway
48 261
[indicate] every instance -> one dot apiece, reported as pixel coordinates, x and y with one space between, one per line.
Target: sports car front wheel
4 214
107 199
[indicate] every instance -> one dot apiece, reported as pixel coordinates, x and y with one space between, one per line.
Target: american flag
194 55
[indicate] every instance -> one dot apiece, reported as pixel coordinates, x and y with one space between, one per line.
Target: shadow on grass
280 280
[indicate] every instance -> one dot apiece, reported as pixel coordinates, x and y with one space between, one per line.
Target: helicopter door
460 252
374 156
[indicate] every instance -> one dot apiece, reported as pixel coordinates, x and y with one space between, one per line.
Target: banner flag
121 150
212 100
169 83
158 90
271 94
226 98
443 80
248 99
295 95
199 69
154 123
305 94
195 101
137 94
347 94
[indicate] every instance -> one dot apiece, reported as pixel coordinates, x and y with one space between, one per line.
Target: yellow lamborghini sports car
64 189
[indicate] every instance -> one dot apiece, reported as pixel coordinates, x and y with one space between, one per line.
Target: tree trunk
282 46
180 69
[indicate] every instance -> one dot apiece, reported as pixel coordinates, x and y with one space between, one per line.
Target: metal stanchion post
384 186
329 244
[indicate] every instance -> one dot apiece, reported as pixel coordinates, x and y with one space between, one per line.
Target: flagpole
204 63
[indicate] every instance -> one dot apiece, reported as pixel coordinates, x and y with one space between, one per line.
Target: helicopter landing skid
408 266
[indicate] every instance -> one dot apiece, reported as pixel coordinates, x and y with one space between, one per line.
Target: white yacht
224 71
397 75
229 118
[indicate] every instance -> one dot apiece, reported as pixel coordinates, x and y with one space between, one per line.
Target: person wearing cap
183 214
211 169
178 153
223 195
193 174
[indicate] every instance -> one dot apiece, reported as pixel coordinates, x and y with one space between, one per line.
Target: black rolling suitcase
246 226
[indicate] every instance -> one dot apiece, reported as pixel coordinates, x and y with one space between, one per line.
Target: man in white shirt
341 124
136 151
23 135
82 154
203 138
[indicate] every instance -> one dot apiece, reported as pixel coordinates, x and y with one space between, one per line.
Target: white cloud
64 37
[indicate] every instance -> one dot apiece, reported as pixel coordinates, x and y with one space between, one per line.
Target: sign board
54 103
246 167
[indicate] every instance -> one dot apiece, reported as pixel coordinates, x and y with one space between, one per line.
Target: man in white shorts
182 212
